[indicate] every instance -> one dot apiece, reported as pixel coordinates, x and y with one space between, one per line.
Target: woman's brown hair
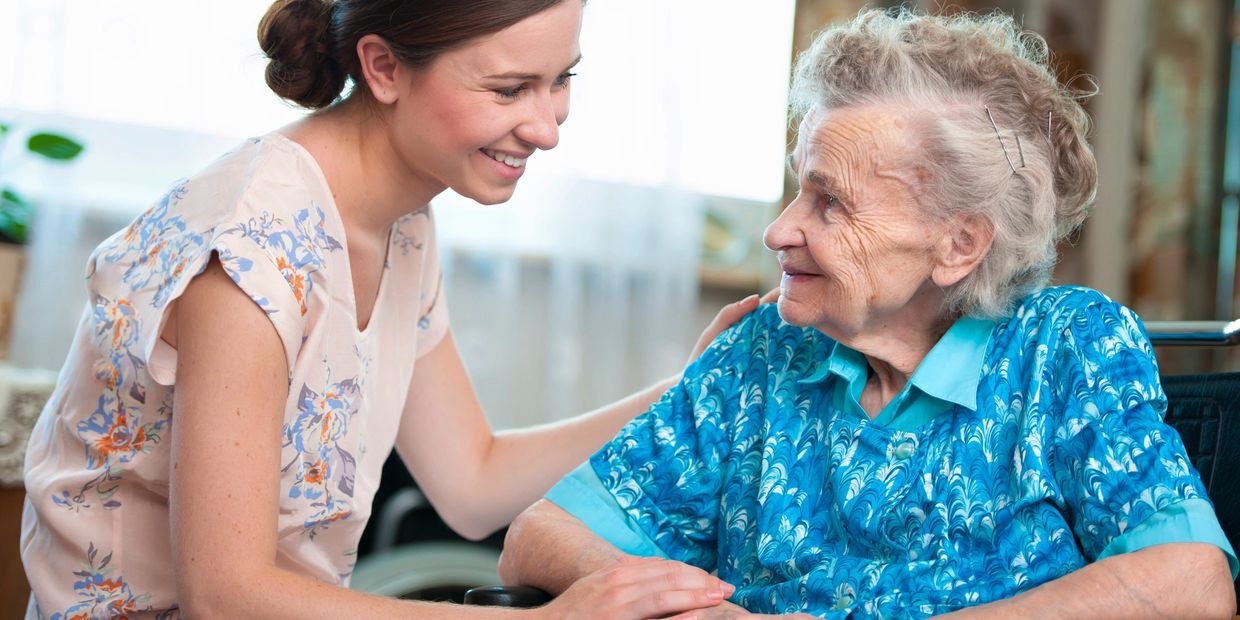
311 44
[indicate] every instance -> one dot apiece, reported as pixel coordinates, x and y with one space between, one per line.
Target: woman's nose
541 128
784 232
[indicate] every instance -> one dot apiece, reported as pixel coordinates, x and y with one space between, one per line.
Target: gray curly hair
957 72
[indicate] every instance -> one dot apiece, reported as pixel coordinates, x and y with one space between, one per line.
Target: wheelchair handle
1194 333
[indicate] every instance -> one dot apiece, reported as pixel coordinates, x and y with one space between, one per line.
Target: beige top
95 532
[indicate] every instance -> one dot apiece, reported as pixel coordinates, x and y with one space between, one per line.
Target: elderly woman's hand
639 588
729 611
727 317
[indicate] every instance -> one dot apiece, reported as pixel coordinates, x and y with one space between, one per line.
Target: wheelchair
408 552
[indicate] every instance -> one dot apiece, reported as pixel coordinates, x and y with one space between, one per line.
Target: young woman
258 341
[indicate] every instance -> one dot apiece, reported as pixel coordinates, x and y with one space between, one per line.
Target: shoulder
268 175
256 207
415 232
1062 316
1058 303
1079 343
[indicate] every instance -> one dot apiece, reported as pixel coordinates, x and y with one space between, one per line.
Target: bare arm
1180 580
479 480
225 484
548 548
226 470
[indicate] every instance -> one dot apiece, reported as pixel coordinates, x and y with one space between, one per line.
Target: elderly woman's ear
965 242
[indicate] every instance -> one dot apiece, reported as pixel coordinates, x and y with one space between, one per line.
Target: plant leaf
54 146
8 195
4 129
14 215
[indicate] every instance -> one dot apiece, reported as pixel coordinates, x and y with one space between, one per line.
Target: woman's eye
510 93
563 79
830 201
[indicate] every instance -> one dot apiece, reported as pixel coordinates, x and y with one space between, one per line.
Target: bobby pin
1003 146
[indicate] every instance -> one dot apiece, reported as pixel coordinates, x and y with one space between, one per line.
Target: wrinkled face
472 119
856 251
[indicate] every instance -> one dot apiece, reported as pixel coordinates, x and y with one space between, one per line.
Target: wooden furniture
22 396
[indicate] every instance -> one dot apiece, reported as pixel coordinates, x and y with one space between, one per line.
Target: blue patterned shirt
1017 453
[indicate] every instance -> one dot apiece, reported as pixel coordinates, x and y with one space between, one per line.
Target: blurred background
621 243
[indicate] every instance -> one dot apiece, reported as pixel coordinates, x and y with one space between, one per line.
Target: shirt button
903 451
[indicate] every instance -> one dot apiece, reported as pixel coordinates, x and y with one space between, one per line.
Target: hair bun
296 37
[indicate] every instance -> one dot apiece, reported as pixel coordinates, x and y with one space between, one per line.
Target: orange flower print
116 434
153 224
108 372
116 323
324 467
121 438
296 247
101 595
329 511
314 474
296 281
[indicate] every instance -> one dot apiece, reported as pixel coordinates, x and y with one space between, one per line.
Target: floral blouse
1048 452
95 532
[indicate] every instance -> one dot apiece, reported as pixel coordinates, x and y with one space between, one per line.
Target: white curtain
575 300
580 290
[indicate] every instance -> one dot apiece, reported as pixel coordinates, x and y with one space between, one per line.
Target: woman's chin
488 196
794 312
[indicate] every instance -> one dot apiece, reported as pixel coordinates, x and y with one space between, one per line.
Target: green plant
15 211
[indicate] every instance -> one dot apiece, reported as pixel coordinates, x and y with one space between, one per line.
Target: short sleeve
274 285
432 301
1115 460
1192 520
582 495
136 275
665 469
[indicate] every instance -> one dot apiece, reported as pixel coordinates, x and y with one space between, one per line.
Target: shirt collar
950 371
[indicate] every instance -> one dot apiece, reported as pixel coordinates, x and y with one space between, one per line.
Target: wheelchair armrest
507 596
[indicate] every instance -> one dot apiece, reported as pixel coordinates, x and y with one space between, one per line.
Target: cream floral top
95 532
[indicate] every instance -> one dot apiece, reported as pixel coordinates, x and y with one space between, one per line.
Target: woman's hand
727 317
729 611
640 588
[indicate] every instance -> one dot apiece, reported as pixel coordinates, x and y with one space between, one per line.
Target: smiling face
472 118
857 251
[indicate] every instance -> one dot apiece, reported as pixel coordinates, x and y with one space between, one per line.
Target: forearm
550 549
521 465
1165 581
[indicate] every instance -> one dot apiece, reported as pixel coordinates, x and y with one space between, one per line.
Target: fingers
734 311
667 602
723 611
655 587
726 317
770 297
669 574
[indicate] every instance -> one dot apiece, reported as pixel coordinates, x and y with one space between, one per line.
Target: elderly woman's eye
830 201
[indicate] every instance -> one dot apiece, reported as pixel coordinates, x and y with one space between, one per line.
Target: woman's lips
798 277
507 166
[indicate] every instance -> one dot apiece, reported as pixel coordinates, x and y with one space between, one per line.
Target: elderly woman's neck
893 353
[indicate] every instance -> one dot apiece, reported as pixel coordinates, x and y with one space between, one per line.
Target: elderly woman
922 427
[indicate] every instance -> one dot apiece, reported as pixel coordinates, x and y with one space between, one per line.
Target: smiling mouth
507 160
794 272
